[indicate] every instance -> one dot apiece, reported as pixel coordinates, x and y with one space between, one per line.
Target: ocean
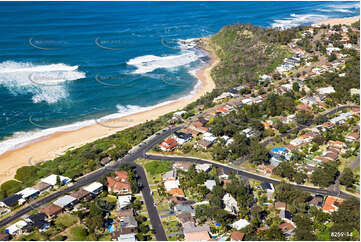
65 65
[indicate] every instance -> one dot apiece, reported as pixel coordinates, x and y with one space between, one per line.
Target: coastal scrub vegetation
247 51
80 161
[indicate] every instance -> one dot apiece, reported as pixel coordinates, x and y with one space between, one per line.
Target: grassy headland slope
246 51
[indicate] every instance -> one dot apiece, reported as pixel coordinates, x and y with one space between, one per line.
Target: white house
330 50
210 184
326 90
51 180
203 167
170 184
209 137
230 203
16 228
28 192
94 188
126 237
240 224
248 132
124 201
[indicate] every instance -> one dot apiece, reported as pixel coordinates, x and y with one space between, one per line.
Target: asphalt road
137 152
246 174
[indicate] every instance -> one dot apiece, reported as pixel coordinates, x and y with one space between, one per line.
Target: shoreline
336 21
56 144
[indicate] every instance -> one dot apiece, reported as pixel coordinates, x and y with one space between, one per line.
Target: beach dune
56 144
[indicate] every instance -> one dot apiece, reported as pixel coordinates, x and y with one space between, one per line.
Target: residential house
182 137
124 237
125 213
265 186
16 228
230 203
120 184
65 201
331 204
193 132
192 228
124 201
240 224
94 188
81 194
170 184
197 236
309 101
168 145
280 205
248 132
210 184
304 107
184 218
184 208
336 144
11 201
28 193
170 175
42 187
209 137
199 126
52 180
38 220
125 225
286 215
203 167
352 137
317 201
326 90
286 228
204 144
51 210
4 236
223 97
331 156
223 173
184 166
237 236
176 192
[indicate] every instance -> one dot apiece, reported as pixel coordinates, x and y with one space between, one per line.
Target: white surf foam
43 82
342 8
149 63
298 19
22 139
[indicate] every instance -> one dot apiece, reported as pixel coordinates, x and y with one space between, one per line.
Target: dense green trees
347 177
325 174
347 220
303 229
304 117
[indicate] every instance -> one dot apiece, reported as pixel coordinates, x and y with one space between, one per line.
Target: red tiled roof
285 227
237 236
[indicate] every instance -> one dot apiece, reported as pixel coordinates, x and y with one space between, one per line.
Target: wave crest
44 82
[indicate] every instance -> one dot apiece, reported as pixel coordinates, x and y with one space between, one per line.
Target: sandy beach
335 21
56 144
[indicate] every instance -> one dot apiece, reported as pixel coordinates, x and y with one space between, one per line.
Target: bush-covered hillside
247 51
